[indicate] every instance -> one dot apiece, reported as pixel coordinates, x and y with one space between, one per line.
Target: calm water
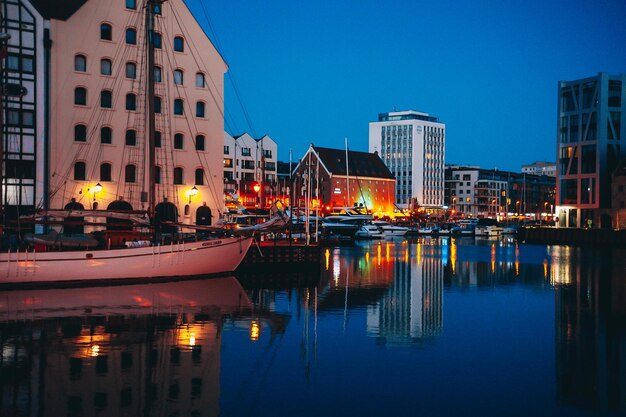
432 327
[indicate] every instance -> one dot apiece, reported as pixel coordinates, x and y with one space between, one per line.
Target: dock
282 254
572 236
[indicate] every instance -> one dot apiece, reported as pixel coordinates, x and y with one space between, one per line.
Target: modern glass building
412 145
591 112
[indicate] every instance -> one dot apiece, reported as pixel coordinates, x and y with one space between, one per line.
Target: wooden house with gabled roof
321 174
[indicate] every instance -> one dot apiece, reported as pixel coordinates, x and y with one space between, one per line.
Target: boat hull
206 257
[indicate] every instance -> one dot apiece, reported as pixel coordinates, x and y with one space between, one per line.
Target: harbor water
430 326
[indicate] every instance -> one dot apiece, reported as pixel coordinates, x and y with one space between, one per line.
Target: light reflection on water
430 326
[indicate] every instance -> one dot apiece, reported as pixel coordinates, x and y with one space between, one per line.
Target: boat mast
151 5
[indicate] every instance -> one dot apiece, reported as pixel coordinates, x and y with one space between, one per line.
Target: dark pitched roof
361 164
55 9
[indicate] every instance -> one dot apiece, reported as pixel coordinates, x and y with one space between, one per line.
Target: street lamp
193 192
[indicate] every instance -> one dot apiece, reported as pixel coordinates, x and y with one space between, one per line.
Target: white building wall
418 167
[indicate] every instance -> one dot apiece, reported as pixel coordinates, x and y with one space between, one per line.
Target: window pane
131 70
106 32
178 106
131 36
80 63
131 137
199 177
80 96
178 77
156 40
200 80
105 172
129 173
157 74
106 99
200 143
179 44
131 102
79 171
178 141
106 135
178 176
131 4
199 109
105 67
80 133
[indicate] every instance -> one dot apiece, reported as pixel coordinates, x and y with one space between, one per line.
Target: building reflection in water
118 351
590 328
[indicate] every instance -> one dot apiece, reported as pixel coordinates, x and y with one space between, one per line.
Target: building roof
361 164
54 9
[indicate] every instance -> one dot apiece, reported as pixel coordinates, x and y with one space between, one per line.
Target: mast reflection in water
428 327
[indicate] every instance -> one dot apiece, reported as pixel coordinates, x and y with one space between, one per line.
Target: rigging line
205 164
219 101
103 84
232 126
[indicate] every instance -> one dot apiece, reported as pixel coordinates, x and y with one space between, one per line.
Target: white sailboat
146 258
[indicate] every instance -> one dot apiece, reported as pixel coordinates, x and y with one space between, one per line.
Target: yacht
369 231
488 228
429 229
468 226
389 229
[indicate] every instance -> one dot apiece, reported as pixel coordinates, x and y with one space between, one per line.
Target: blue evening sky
319 71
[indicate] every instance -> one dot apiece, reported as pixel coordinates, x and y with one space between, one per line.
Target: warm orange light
255 331
256 187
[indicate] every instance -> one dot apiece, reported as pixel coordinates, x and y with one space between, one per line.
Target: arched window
131 137
105 172
80 96
178 77
157 139
157 174
187 209
179 107
178 141
200 109
106 99
106 135
179 44
131 70
131 36
200 80
199 176
130 173
106 32
131 102
80 169
199 142
178 175
80 133
158 74
157 40
157 104
106 66
80 63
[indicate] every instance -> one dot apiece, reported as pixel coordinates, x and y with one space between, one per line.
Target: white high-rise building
412 145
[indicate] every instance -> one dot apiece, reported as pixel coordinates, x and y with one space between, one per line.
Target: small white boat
429 229
369 231
468 226
389 229
488 228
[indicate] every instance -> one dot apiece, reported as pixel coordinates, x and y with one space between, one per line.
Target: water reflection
126 350
491 315
590 328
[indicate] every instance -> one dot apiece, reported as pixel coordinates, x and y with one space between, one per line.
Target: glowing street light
193 192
